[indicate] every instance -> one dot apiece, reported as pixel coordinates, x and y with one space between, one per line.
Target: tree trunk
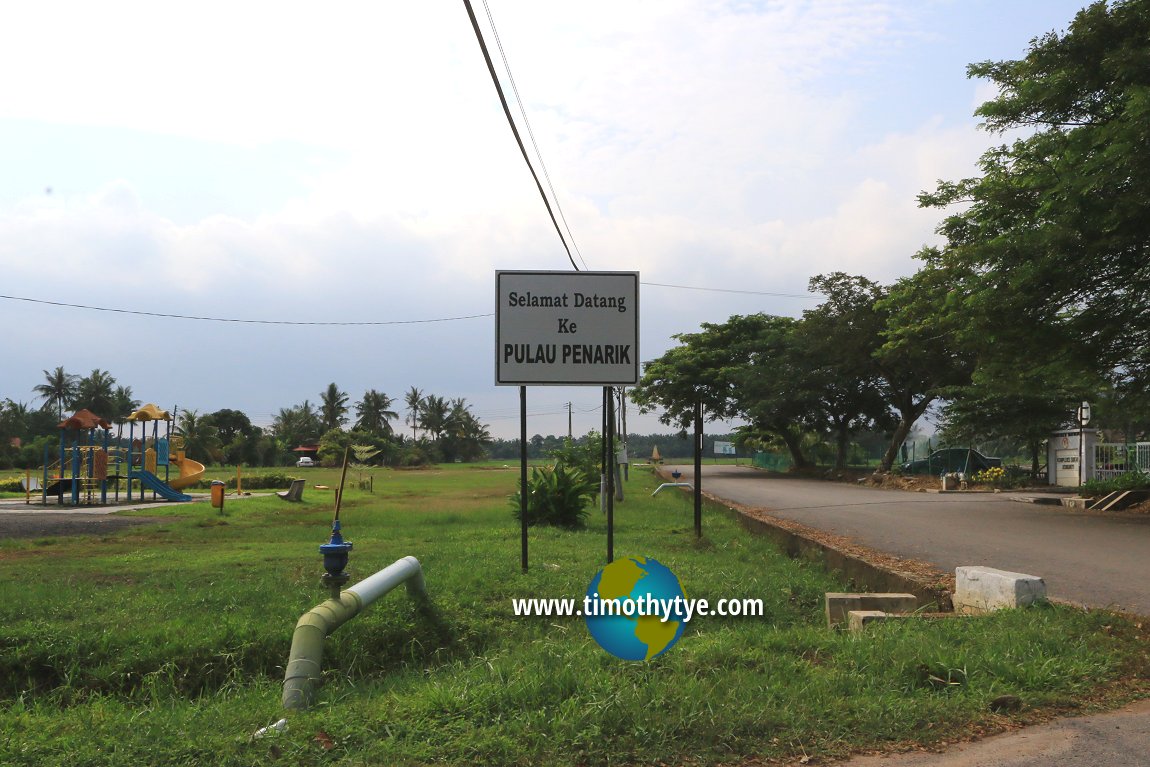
909 412
1035 449
842 442
794 446
901 432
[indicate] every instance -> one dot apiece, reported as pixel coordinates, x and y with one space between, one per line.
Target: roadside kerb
860 574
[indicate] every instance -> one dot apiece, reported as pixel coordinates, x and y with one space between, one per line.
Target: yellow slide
190 472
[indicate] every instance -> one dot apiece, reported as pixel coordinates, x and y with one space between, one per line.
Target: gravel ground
51 524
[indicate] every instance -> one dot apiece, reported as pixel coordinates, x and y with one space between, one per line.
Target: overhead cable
514 130
348 323
530 132
233 319
731 290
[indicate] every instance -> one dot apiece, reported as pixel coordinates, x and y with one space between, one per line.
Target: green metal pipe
305 662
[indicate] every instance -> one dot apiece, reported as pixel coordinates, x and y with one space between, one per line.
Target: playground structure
87 452
163 451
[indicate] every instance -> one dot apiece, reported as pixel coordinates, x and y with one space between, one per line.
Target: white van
305 461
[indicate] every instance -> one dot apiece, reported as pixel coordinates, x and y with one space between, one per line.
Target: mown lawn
166 644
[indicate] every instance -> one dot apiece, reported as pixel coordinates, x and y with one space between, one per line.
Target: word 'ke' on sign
566 328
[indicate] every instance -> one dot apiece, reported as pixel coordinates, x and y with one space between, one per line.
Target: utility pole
569 437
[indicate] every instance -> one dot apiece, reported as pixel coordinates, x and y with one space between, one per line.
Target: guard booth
1065 456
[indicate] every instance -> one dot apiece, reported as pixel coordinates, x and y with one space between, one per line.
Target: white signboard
724 448
567 328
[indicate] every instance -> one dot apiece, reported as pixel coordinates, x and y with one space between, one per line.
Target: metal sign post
699 469
1083 421
566 329
523 476
609 455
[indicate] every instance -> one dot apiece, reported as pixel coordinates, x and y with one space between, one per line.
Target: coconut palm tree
333 407
297 425
201 439
373 413
97 392
464 436
414 402
58 390
434 415
123 403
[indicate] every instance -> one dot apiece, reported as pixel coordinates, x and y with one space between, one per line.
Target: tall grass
166 644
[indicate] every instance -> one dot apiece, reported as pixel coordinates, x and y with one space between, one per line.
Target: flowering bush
994 476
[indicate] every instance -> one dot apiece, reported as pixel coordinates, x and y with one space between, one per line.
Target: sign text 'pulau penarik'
566 328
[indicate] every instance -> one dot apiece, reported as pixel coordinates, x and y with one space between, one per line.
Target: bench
293 493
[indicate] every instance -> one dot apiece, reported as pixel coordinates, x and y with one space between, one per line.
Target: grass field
166 644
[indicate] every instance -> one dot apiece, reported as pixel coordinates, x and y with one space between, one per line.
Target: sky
279 161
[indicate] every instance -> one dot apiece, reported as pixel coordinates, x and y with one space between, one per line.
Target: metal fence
1114 459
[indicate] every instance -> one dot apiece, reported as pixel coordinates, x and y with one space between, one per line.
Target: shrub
272 481
995 476
1131 480
557 496
584 455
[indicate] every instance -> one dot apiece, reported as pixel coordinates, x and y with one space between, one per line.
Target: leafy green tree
705 367
374 413
332 445
231 424
923 357
58 390
584 454
1053 238
14 423
836 344
333 407
1023 406
746 367
240 439
776 390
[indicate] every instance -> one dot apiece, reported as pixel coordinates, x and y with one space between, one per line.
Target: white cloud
738 144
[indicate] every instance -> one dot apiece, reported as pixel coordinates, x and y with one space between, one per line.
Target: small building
1065 454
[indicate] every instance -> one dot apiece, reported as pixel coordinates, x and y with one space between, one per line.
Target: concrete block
986 589
858 619
838 604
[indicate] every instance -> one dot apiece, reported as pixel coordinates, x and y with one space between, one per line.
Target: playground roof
84 419
150 412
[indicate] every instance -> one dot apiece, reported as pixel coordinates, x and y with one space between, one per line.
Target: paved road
1094 559
1084 557
1116 739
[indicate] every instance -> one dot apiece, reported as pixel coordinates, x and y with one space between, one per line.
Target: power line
731 290
349 323
530 132
233 319
514 130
